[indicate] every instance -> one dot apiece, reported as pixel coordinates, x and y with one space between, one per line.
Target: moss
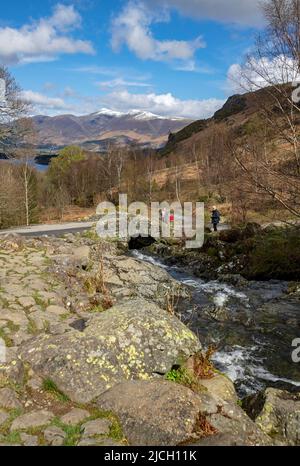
12 438
184 377
115 429
32 327
212 252
276 255
6 338
91 234
13 327
40 301
5 434
73 433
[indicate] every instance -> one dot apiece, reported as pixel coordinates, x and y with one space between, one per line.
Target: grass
91 234
181 376
13 437
40 301
12 327
51 387
97 309
73 433
116 430
32 328
5 434
202 369
6 338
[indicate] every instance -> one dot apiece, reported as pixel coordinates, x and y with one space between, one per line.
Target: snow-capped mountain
96 129
136 114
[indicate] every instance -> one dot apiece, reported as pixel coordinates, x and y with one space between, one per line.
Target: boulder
75 416
54 436
221 387
139 279
27 301
29 440
251 229
96 427
277 413
3 417
133 340
31 420
81 256
165 413
56 310
9 399
231 236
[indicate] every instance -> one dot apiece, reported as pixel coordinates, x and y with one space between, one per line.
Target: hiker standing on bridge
215 218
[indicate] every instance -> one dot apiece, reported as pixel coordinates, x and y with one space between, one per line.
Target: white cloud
44 39
263 72
43 104
163 104
132 27
121 100
120 83
240 12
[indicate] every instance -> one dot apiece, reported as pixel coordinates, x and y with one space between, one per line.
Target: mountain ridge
135 127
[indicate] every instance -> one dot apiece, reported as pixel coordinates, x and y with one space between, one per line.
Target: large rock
165 413
139 279
9 399
277 413
220 386
133 340
75 416
32 420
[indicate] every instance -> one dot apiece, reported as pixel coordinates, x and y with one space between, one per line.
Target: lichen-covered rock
9 399
133 340
165 413
29 440
220 386
277 413
75 416
139 278
96 427
54 436
32 420
3 417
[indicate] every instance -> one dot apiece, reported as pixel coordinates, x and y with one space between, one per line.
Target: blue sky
170 57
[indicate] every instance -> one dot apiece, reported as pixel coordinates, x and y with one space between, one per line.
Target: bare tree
12 109
272 68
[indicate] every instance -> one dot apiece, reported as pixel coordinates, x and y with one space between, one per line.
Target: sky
168 57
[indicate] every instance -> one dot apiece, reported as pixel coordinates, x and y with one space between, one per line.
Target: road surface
51 230
62 229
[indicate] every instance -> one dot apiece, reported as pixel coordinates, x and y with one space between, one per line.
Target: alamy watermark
160 220
296 92
2 90
2 351
296 351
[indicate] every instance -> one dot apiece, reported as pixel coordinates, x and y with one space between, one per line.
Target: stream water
252 326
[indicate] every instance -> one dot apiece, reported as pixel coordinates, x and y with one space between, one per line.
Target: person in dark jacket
215 218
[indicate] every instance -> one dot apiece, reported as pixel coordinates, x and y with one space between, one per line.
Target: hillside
95 130
237 113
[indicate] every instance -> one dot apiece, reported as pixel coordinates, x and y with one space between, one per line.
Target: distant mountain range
97 130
